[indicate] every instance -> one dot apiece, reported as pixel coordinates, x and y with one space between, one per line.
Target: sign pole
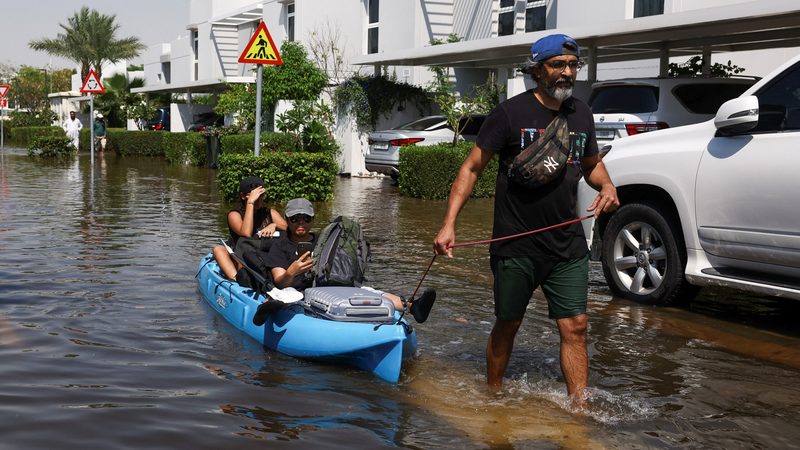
258 110
260 50
92 85
2 122
91 126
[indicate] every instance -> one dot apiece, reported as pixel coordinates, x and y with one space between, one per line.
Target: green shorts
565 285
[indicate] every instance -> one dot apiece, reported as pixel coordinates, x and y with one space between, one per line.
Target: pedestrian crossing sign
261 49
92 84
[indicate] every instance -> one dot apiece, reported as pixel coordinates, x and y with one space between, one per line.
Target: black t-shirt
283 253
261 218
512 126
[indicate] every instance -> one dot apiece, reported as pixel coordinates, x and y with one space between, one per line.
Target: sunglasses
561 65
301 217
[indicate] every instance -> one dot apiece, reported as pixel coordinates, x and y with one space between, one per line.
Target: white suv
714 203
626 107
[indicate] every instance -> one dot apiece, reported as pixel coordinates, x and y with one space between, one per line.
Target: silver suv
627 107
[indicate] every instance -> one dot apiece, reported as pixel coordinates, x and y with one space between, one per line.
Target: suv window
624 99
779 103
706 98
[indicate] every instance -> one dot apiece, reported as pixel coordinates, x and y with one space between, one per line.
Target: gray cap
297 206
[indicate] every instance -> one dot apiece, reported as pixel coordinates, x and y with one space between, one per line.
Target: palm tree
89 38
118 98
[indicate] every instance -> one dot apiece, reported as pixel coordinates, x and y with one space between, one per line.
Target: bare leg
574 356
225 262
398 302
498 350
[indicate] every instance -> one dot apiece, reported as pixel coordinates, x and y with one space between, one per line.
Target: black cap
249 183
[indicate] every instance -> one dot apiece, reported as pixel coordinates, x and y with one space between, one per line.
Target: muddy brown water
105 341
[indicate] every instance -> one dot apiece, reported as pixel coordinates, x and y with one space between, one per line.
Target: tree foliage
693 67
90 39
118 103
455 106
368 98
31 86
296 79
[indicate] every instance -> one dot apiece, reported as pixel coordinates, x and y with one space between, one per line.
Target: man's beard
560 93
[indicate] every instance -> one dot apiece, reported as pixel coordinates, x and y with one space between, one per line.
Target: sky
21 21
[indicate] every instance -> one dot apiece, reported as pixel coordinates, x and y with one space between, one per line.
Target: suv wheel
644 257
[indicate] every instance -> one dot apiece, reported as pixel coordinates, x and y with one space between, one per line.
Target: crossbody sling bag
543 160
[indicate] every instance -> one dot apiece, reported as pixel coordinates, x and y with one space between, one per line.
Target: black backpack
340 254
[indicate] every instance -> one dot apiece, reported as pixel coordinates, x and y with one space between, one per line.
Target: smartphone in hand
303 247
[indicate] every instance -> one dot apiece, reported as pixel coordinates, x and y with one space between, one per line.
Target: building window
372 27
536 15
290 21
195 48
642 8
166 71
505 20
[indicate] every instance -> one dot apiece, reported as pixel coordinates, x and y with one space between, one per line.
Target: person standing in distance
556 260
72 127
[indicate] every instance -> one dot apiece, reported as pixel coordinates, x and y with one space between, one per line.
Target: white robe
73 130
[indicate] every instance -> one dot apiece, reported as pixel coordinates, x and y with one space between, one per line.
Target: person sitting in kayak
251 218
291 268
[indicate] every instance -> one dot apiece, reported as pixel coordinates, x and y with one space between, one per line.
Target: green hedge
243 143
86 135
286 175
185 148
144 143
23 137
429 171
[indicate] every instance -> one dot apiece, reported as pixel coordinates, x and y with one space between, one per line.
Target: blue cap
554 45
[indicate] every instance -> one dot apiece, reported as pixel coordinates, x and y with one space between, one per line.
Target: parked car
383 155
204 120
160 120
713 203
627 107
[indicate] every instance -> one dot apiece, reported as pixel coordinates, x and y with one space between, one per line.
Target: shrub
86 135
185 148
23 137
286 175
52 147
270 142
429 171
24 119
145 143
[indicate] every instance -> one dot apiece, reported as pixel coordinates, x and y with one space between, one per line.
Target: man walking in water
556 260
72 127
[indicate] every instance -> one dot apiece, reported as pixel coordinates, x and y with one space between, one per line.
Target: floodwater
106 343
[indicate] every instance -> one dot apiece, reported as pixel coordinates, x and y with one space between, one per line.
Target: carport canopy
746 26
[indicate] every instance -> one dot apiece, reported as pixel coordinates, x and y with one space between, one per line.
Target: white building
619 38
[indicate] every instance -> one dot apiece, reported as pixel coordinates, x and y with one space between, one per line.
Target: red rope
487 241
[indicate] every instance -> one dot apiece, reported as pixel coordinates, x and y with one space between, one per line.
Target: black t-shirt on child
283 253
261 218
512 126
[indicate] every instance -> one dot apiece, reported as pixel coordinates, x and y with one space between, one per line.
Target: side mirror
737 115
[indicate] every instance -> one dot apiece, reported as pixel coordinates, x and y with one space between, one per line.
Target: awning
194 87
251 13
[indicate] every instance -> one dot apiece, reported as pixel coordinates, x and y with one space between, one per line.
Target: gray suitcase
349 304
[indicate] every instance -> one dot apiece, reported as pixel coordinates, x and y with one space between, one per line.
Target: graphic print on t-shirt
577 143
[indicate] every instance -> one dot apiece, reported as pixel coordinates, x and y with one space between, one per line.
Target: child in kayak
292 268
250 219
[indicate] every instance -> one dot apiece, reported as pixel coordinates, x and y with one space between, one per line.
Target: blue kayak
296 332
